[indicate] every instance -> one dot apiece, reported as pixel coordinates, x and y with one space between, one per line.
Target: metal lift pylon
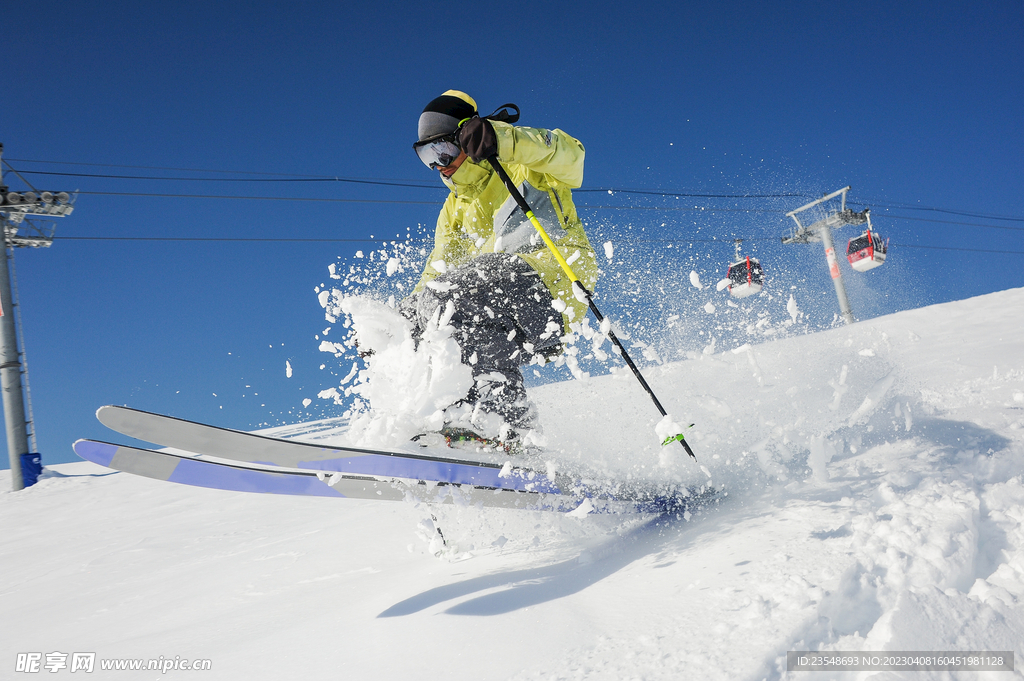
822 231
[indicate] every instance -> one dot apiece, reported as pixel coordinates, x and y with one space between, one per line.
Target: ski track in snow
875 479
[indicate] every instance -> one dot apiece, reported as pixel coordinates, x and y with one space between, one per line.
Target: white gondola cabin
746 278
866 251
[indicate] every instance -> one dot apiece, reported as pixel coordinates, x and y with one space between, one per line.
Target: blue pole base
31 468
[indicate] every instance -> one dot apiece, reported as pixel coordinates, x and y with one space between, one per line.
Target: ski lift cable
200 170
256 198
384 183
396 183
20 176
386 239
228 197
352 240
288 177
969 214
689 195
951 222
706 209
294 177
581 207
957 248
698 209
233 239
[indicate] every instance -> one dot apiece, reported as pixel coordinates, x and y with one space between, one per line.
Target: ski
186 470
236 445
409 464
237 478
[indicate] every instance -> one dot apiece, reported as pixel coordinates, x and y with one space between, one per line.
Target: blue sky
916 105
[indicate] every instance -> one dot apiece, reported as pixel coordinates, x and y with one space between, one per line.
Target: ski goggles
438 153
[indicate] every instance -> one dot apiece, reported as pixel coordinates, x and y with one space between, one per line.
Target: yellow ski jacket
480 216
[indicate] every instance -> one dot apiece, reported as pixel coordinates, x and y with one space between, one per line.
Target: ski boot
465 439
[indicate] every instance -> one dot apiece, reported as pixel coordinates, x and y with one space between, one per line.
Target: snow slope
875 479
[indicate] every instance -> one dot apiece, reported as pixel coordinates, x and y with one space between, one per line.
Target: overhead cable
293 177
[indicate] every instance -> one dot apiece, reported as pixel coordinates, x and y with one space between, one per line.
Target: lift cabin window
746 278
858 244
746 271
866 251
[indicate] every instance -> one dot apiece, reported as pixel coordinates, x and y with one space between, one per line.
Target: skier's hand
477 139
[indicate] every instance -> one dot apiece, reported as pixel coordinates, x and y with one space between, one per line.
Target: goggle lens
439 153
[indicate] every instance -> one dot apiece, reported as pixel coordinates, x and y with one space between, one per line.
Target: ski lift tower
19 215
822 231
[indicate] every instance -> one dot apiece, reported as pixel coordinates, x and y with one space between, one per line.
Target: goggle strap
500 114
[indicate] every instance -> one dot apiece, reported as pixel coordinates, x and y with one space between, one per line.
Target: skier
512 302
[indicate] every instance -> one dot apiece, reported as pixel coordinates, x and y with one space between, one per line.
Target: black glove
477 139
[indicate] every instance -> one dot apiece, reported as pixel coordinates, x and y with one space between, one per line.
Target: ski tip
107 408
103 412
111 415
97 452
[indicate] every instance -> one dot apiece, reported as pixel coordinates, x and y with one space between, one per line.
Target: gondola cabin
746 277
866 251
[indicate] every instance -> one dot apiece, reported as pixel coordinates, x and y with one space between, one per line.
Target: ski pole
578 285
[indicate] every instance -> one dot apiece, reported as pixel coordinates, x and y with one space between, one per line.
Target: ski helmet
443 114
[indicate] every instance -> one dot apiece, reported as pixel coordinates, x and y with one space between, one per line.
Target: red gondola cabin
746 277
866 251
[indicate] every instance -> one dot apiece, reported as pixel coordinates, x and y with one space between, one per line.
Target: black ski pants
503 317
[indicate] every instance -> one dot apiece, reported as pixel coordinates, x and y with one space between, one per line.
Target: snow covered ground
875 479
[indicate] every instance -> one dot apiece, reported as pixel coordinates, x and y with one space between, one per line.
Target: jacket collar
470 179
